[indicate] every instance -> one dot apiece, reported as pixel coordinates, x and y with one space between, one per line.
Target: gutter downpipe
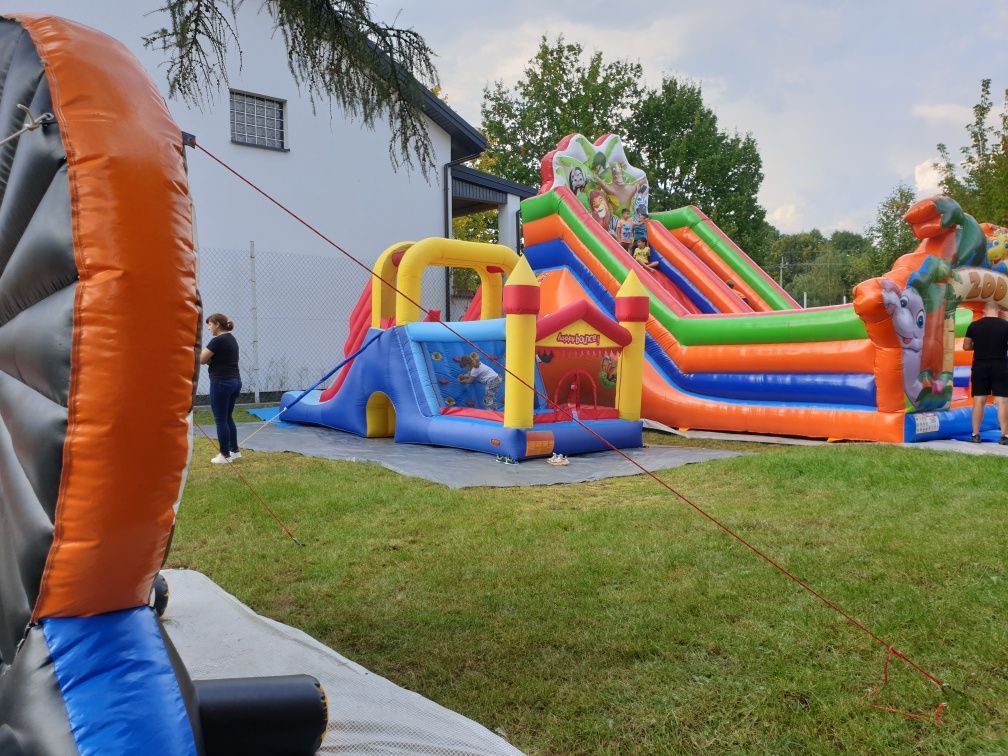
448 196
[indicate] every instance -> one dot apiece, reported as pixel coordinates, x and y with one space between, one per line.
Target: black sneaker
1003 441
974 439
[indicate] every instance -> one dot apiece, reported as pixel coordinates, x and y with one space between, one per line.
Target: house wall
336 175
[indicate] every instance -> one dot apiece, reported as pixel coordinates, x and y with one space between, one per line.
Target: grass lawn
608 617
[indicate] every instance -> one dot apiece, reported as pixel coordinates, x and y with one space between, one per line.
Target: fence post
255 322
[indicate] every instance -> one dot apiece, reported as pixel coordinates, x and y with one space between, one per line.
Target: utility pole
780 278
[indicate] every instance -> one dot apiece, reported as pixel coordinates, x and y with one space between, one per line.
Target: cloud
469 63
785 218
959 114
927 179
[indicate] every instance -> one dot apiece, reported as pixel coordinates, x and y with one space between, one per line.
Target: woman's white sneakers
220 459
235 455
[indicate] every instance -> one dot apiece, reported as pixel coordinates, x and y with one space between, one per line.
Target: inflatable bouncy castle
99 335
527 377
728 349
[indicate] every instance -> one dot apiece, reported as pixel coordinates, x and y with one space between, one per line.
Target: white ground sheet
218 636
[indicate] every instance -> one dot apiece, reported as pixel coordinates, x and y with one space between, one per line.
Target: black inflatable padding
262 716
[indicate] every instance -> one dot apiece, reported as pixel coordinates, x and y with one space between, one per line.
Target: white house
289 292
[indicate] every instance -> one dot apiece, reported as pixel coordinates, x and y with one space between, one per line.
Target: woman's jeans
223 395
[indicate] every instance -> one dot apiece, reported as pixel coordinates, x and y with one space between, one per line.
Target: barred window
257 121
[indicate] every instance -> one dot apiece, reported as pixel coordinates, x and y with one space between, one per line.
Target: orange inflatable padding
961 357
695 269
869 307
889 393
559 287
746 259
135 324
667 405
818 357
922 211
713 261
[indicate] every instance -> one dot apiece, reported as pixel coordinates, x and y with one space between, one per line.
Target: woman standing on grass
221 354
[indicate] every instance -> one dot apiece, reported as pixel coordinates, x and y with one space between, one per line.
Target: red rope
934 717
255 493
893 651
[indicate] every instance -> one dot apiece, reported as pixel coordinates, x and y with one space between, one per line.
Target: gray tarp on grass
457 468
218 636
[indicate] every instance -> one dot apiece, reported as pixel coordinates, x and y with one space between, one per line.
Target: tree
982 187
791 255
690 161
890 235
823 279
668 132
855 253
334 48
558 95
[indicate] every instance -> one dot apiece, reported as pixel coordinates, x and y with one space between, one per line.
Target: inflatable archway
99 333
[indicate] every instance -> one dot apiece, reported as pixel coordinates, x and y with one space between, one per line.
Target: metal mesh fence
291 313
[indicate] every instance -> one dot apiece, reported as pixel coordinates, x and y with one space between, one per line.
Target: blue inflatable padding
961 376
120 690
953 423
687 287
821 390
442 360
409 359
472 330
400 363
568 438
268 413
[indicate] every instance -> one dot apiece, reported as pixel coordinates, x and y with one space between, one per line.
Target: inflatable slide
728 349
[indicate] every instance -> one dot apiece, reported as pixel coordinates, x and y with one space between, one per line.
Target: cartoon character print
640 204
906 308
607 374
602 212
997 251
577 180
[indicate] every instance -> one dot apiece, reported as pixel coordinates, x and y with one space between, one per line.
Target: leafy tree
856 253
890 235
824 269
668 132
824 278
691 161
791 255
334 48
979 183
559 94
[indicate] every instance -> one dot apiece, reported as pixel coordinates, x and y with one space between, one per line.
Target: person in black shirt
987 338
221 354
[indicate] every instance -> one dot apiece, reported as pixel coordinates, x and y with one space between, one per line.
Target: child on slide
642 254
476 372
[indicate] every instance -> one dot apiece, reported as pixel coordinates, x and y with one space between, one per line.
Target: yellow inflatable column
521 307
632 310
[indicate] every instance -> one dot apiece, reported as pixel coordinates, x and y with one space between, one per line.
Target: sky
845 99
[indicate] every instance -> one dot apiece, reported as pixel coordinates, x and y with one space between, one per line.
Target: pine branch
370 69
194 74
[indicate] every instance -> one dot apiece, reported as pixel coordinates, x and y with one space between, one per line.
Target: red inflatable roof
584 310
